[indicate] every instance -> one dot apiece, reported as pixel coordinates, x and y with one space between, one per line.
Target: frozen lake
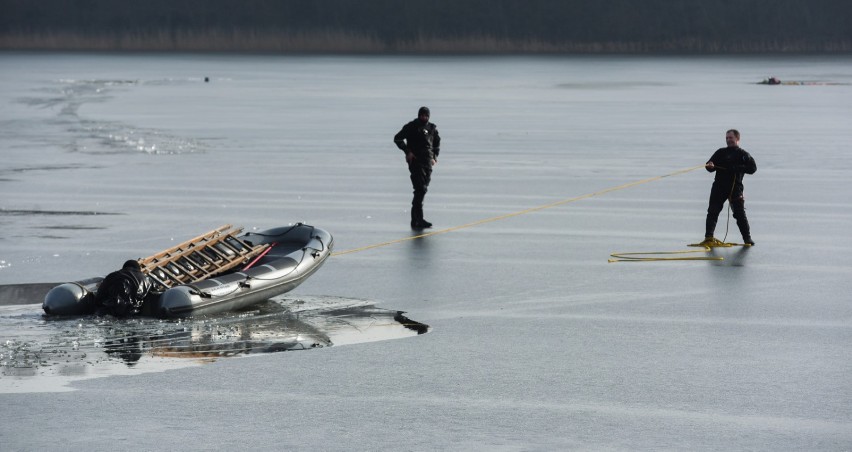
537 342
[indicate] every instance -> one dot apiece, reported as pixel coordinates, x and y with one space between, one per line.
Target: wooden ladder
202 257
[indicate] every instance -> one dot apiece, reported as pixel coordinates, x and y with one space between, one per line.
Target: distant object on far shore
777 81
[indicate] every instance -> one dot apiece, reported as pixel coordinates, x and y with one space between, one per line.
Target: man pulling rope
730 164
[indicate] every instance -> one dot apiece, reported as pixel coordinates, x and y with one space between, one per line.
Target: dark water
41 354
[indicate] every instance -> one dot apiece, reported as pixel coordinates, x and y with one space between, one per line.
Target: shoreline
332 43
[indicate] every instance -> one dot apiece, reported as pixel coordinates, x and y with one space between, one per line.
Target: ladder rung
198 254
260 249
168 272
206 255
189 243
230 247
218 253
158 280
198 268
183 269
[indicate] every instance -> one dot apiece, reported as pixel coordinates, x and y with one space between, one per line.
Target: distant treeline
431 26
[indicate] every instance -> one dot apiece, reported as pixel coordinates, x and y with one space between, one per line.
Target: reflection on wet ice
34 348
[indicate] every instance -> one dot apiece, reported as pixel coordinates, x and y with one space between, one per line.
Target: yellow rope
707 245
522 212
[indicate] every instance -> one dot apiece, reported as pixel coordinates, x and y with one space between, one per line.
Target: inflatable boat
215 272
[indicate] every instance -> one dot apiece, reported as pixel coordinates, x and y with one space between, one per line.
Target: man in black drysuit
730 164
123 292
421 143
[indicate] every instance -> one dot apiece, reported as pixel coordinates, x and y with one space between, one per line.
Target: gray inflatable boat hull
297 252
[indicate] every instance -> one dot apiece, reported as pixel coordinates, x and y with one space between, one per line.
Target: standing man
730 164
421 143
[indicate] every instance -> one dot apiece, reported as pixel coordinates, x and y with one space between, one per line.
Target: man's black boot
417 221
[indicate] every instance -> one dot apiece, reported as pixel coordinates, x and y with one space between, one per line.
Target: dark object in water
777 81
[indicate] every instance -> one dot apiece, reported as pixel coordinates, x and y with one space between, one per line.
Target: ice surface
537 343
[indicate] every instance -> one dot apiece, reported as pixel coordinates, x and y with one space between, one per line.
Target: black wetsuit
731 164
422 139
122 293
